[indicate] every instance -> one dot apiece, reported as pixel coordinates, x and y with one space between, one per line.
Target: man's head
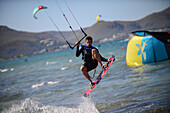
89 41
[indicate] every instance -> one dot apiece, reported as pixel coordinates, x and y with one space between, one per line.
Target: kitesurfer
90 56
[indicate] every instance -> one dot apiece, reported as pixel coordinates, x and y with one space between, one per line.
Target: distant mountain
16 44
154 21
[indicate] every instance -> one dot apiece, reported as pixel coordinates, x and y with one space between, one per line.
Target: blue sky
17 14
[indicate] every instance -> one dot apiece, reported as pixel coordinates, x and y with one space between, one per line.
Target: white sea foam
3 70
12 69
125 40
70 60
37 85
8 89
63 68
31 106
48 63
51 82
43 83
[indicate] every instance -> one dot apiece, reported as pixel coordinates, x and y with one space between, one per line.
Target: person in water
90 56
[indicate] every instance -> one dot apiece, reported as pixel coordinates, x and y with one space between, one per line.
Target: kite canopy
146 47
37 9
98 19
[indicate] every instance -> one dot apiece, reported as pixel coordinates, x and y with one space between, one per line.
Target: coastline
105 40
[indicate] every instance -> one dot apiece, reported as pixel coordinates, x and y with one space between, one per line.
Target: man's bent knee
83 68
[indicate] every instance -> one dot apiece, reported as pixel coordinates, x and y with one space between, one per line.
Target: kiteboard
101 75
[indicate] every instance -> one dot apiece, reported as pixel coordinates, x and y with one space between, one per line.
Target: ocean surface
53 83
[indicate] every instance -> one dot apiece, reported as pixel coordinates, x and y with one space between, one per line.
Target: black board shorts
91 65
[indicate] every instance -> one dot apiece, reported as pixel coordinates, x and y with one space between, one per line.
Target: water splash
32 106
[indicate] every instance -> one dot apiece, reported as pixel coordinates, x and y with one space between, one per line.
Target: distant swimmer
90 56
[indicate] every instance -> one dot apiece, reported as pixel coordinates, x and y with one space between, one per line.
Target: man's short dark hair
89 38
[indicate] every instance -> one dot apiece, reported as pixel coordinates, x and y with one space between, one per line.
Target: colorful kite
97 18
37 9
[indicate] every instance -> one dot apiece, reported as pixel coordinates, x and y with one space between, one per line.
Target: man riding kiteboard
90 56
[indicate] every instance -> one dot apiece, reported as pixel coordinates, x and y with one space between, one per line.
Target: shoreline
34 54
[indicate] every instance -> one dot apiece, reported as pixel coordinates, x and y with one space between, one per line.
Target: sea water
53 83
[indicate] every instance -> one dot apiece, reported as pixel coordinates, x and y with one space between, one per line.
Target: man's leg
96 55
85 73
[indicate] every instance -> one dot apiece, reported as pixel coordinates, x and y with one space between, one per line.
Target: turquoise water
53 82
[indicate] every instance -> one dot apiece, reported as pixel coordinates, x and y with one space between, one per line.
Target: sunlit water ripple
53 83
